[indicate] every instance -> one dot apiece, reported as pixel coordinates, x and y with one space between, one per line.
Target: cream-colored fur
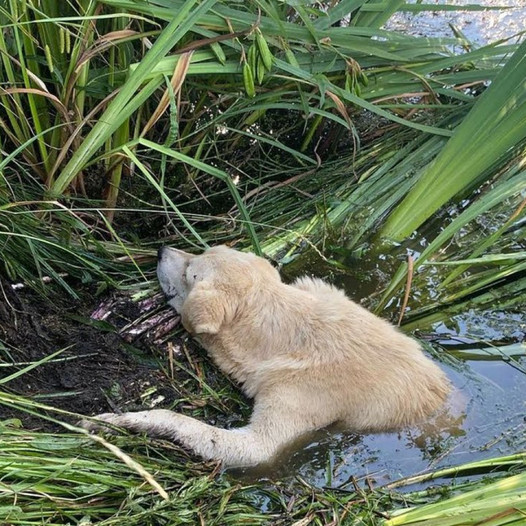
307 354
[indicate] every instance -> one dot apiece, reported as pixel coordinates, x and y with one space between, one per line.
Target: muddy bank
97 370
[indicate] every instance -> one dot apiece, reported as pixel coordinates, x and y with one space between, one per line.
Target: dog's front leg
234 447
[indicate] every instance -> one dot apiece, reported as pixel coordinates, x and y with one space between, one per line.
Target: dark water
486 414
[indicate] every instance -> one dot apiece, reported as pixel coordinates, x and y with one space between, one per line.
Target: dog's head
206 289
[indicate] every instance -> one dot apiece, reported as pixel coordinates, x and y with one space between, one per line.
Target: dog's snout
160 253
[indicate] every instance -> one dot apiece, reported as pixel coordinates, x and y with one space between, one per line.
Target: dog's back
380 377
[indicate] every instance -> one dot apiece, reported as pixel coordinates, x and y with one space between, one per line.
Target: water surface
486 415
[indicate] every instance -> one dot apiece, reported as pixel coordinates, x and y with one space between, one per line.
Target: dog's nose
160 253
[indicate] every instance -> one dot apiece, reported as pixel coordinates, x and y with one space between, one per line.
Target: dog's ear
207 309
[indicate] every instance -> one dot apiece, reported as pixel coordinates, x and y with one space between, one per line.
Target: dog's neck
265 316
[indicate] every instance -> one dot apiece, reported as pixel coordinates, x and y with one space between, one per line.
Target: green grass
56 478
500 502
485 139
87 107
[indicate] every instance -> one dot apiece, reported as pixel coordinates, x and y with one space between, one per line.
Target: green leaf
116 113
493 197
493 128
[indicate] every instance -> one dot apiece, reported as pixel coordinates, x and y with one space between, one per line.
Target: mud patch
97 372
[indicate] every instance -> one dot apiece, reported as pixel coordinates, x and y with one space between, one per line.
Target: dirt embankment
98 371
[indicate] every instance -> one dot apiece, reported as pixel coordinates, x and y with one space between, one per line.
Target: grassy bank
84 479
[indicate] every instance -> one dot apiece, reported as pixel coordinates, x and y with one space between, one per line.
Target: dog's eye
190 276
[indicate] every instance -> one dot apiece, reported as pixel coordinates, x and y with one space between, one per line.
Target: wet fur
307 354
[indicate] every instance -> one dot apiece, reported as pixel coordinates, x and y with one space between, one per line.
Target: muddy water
486 416
487 413
491 423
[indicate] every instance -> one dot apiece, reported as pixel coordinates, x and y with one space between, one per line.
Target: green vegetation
286 127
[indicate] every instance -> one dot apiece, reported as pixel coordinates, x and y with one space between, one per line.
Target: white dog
307 354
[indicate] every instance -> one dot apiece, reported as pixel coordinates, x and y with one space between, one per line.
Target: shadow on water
485 415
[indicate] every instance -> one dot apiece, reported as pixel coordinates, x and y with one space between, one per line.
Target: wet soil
97 372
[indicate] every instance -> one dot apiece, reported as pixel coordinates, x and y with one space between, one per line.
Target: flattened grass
49 479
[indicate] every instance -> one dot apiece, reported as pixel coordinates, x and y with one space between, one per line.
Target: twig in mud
189 359
410 264
57 360
171 359
163 322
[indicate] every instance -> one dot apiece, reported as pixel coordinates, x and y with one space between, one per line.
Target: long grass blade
112 118
495 126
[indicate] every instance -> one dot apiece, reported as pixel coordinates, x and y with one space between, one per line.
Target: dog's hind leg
253 444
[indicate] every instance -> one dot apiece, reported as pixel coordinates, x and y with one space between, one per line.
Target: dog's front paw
105 422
